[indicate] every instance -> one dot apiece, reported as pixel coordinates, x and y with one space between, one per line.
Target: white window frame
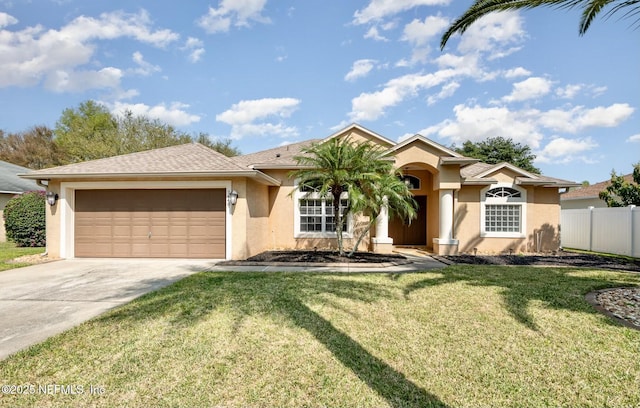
302 195
517 201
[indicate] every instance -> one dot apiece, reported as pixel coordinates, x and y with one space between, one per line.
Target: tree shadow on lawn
558 288
284 295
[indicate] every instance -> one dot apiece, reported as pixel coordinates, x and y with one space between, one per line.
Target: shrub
24 219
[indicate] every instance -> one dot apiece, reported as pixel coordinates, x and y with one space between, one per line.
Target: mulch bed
561 259
324 257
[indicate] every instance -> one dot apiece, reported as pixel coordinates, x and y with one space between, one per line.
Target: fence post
632 238
590 208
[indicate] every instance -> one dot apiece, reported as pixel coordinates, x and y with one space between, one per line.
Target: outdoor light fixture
51 197
232 198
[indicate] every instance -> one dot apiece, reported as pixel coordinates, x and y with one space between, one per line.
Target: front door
414 233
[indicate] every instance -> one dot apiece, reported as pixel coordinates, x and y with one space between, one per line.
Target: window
412 182
314 216
503 211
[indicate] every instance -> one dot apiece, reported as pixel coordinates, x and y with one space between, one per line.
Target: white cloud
562 150
238 13
491 32
370 106
175 114
243 115
195 47
446 91
359 69
530 88
516 72
478 123
374 34
34 54
379 9
144 67
420 33
569 91
78 81
634 138
579 118
7 20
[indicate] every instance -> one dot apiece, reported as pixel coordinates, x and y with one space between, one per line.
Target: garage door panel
182 223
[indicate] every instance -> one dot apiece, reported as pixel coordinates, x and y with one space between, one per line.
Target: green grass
9 251
463 336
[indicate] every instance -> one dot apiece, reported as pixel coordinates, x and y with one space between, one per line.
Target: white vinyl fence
610 230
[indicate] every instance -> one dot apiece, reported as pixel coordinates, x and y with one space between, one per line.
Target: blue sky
266 73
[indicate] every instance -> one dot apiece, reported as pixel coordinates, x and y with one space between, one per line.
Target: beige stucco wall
281 227
250 219
543 216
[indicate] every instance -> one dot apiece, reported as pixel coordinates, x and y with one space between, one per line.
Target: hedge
24 219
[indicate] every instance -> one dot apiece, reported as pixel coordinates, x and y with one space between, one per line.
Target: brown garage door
150 223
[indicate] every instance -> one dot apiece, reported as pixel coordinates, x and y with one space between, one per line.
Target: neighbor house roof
192 160
11 183
591 191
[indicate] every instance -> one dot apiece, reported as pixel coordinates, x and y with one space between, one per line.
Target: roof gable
430 143
363 133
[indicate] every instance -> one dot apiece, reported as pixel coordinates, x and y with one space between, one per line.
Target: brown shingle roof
186 158
591 191
278 157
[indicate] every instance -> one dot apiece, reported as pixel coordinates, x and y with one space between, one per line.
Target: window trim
297 233
519 201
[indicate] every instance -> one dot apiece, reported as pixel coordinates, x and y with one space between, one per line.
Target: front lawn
9 251
462 336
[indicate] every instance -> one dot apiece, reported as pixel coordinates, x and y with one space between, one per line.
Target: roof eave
261 177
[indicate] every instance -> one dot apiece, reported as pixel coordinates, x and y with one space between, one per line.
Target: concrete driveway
39 301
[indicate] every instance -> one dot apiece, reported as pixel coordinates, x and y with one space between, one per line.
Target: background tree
34 148
219 145
91 132
590 9
87 132
496 150
621 193
340 166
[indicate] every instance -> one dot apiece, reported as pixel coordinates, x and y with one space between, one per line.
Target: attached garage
171 223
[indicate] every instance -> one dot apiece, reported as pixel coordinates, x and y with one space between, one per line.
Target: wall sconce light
232 198
51 198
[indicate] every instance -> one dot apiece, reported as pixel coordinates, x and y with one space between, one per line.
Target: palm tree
339 166
387 191
590 9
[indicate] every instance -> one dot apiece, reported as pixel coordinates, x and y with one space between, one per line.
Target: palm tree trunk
361 236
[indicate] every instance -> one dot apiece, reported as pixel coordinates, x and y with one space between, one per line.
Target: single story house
588 196
190 201
12 185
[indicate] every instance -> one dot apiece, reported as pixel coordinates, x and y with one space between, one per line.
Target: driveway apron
39 301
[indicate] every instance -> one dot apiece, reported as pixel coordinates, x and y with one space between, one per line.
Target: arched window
412 182
499 192
503 211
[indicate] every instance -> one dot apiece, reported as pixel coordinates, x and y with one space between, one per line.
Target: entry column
445 244
382 243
